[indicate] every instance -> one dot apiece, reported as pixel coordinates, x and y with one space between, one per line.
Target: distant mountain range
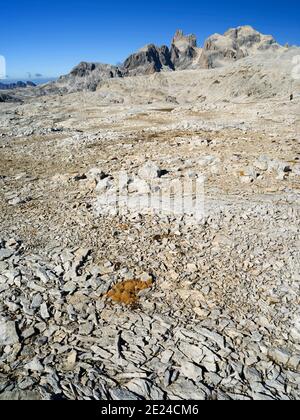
7 84
16 85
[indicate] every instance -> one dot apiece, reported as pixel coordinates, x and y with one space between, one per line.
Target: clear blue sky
50 37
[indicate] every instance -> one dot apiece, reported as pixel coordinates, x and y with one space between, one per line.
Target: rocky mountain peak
83 69
150 59
183 50
235 44
85 76
247 36
182 41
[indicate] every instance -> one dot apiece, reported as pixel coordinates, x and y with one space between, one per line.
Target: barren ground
221 317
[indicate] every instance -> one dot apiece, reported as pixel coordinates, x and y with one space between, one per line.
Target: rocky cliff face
184 50
89 75
152 59
4 97
184 53
148 60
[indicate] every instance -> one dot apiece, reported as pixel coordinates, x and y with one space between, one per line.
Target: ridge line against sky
50 37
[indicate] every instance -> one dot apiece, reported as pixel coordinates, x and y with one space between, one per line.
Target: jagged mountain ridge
152 59
183 54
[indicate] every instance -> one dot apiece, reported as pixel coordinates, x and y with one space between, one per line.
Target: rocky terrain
4 97
139 304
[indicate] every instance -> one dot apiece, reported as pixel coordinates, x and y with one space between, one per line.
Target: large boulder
8 333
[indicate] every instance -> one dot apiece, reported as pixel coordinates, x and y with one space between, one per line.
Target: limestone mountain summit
184 50
152 59
148 60
235 44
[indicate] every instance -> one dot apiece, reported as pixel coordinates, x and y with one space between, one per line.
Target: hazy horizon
39 81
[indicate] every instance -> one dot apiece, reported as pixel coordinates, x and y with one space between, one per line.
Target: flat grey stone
5 254
8 333
121 394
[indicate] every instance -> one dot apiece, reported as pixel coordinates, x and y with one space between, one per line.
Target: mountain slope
265 75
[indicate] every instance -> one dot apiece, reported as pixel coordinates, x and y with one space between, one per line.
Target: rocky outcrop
247 38
152 59
4 97
149 60
233 45
90 69
85 76
183 50
83 69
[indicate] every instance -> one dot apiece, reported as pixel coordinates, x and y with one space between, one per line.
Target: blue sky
50 37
